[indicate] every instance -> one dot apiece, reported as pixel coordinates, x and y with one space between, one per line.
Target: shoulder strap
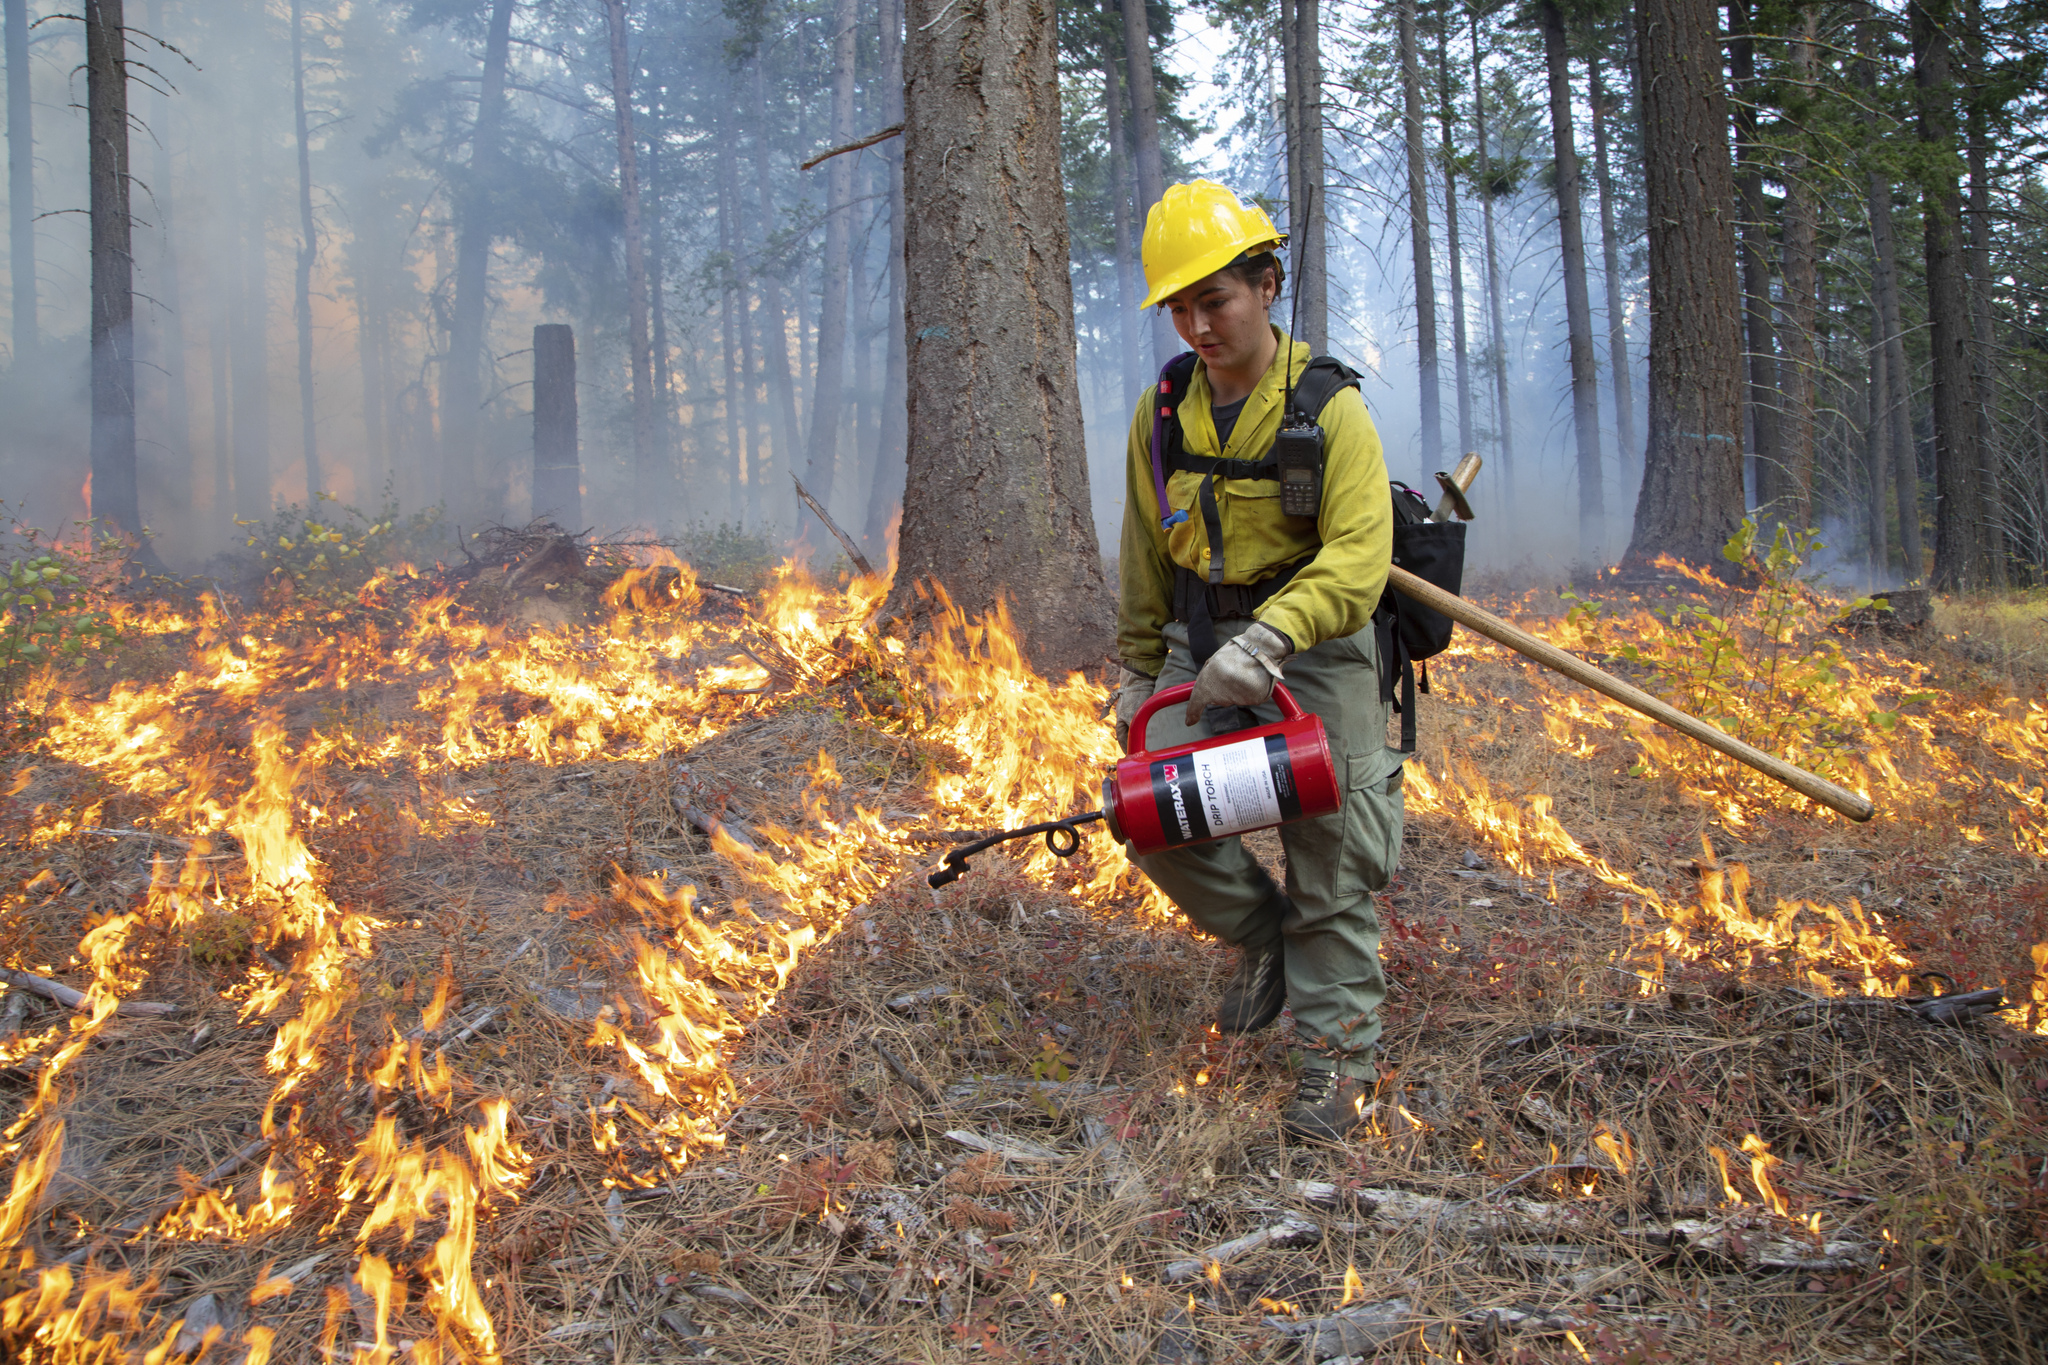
1319 382
1174 379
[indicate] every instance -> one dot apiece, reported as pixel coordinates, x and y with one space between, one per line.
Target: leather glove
1242 672
1133 690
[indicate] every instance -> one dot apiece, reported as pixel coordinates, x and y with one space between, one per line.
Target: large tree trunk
1128 293
1960 558
1768 464
1896 419
1875 532
740 474
648 474
996 508
1308 214
886 486
21 181
828 404
462 373
1621 374
1978 262
251 362
1145 138
1691 500
1426 359
667 436
557 461
309 250
777 496
182 463
1799 378
114 501
1456 263
1498 351
742 421
1578 309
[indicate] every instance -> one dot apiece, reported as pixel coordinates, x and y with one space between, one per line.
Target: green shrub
55 603
330 553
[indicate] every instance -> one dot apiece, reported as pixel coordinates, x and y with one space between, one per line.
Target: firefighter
1222 588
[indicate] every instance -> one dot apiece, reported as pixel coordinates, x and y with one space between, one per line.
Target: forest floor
565 976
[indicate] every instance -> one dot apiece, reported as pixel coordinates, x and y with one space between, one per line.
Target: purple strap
1167 520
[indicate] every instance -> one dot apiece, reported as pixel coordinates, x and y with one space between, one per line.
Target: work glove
1242 672
1133 690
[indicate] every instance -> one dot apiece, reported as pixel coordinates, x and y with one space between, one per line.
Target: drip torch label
1225 789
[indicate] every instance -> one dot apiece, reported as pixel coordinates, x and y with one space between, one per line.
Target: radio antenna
1294 311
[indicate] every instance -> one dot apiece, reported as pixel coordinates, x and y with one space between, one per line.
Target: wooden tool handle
1578 670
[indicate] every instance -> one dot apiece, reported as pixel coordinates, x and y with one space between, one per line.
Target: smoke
736 235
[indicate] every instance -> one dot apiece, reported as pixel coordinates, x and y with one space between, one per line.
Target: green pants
1334 862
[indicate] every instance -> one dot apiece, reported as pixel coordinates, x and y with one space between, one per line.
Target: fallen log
1492 1219
64 995
1288 1232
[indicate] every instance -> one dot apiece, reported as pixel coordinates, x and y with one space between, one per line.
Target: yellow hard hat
1194 231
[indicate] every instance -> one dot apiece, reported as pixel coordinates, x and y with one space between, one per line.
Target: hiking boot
1326 1103
1256 990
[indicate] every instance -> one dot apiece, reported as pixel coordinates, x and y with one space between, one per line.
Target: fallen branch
64 995
1008 1148
1488 1218
904 1073
893 130
860 561
1288 1232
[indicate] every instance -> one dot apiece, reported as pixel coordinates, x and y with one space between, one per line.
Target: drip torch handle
1063 837
1290 709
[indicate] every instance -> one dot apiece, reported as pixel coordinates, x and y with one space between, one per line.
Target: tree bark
462 374
309 250
886 487
1960 558
777 497
754 439
1904 461
1145 138
996 508
21 181
1768 463
1798 380
646 466
1431 426
1503 409
183 459
1691 499
666 434
828 402
1310 247
114 500
557 461
1578 308
1456 262
1621 374
1983 336
1128 293
1876 535
740 474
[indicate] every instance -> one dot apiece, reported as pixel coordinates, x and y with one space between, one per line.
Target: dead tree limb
893 130
860 561
72 999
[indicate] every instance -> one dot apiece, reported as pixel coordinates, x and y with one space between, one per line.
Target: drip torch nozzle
1063 837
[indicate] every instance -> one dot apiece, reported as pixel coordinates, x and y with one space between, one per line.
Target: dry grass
840 1221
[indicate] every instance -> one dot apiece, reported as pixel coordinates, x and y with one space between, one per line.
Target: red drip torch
1198 791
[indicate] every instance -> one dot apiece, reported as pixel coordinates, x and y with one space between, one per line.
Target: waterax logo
1172 799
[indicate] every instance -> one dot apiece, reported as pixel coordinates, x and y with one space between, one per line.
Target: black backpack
1406 631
